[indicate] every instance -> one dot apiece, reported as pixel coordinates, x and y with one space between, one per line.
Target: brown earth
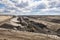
20 35
49 21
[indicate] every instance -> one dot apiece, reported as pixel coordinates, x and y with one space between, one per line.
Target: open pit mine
29 27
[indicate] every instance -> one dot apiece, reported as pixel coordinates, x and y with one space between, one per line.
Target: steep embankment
3 19
6 34
10 34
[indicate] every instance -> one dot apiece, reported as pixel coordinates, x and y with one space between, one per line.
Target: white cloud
1 10
30 6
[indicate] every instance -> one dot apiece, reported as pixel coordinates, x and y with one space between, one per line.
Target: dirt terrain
29 28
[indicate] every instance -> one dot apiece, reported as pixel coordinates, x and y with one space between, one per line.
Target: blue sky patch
2 5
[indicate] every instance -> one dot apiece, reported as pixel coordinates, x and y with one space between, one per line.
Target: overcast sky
30 7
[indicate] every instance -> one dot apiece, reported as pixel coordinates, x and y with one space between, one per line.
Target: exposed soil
32 27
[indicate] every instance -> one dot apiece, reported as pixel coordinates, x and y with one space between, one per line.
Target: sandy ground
6 34
9 34
4 19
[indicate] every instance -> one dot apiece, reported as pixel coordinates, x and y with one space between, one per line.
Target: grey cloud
52 4
6 11
58 5
13 1
37 0
41 6
53 11
22 4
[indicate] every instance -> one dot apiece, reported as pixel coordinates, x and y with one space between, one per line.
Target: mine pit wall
50 25
53 26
